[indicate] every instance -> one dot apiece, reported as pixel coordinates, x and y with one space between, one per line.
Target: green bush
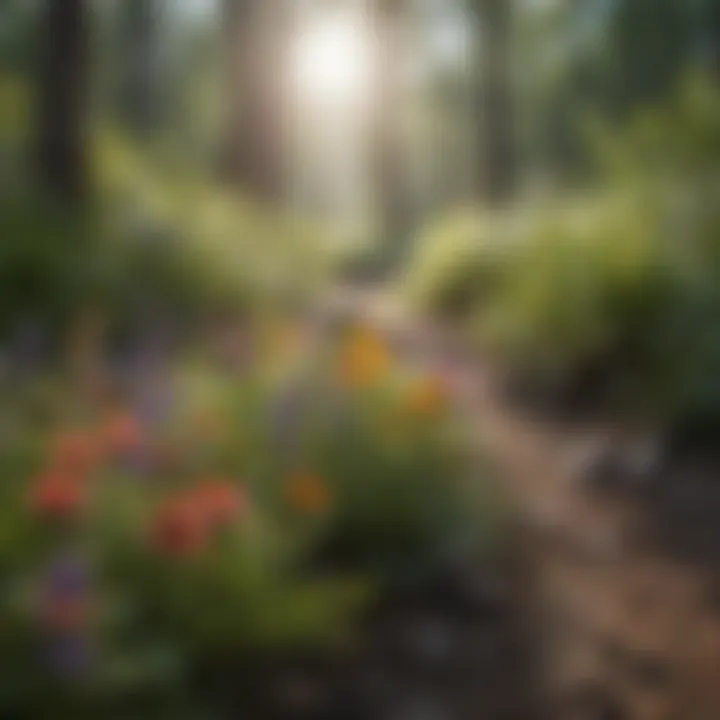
140 556
461 261
150 243
619 287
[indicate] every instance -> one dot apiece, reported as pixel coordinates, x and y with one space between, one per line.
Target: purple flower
68 576
69 656
154 402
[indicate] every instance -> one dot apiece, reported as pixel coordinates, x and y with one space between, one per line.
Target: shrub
149 244
147 546
461 261
615 290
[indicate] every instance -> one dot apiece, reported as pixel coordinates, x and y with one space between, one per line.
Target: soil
621 599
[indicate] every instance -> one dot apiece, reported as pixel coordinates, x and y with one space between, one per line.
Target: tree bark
63 86
139 101
390 164
497 122
256 45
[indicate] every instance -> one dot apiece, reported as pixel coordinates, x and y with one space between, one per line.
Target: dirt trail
625 631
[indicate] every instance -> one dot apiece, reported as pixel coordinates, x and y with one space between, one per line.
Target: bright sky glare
332 59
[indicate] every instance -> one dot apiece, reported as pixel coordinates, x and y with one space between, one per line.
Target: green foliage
149 244
47 262
368 478
461 261
238 250
617 289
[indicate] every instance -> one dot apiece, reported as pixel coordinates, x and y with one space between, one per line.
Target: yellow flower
364 358
426 397
307 493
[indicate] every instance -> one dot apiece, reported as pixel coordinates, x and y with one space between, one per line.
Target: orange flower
308 493
222 501
121 434
76 452
180 527
426 397
58 496
364 358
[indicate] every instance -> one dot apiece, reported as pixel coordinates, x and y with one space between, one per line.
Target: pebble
419 708
591 702
432 642
642 461
601 464
594 465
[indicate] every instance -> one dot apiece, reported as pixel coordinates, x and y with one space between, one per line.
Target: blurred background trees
63 98
370 119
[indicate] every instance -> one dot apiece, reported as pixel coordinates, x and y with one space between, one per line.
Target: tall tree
63 98
497 122
256 45
388 24
654 42
139 100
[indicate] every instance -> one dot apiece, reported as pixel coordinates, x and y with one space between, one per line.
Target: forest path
625 631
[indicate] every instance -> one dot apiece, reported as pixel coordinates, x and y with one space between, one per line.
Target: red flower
65 614
58 496
122 434
180 527
76 452
221 501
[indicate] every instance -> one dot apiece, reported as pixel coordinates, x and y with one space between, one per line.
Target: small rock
649 671
713 596
603 543
594 465
299 694
419 708
432 642
642 461
602 465
591 702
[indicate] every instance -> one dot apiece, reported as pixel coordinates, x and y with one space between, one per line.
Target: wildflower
65 600
65 614
58 496
426 397
67 576
180 526
154 402
222 501
76 452
68 655
308 493
364 358
122 434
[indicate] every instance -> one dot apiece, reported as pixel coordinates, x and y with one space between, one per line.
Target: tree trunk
139 100
63 99
497 141
390 164
256 44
